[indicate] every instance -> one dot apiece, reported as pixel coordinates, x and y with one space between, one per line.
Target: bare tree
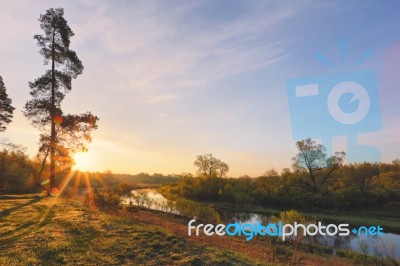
312 158
208 165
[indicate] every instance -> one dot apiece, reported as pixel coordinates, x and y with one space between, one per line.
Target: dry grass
50 231
53 231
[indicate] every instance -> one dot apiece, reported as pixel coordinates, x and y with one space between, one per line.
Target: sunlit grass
53 231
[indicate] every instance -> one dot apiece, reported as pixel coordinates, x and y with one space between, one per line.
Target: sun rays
77 184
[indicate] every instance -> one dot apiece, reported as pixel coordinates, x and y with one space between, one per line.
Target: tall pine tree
6 109
60 134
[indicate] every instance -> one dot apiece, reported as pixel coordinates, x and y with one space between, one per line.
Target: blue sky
174 79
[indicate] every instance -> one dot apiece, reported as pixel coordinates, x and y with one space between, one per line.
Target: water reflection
387 245
151 200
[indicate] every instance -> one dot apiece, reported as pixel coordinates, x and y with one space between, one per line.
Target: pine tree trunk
52 115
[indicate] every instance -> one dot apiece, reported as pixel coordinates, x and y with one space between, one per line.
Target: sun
83 161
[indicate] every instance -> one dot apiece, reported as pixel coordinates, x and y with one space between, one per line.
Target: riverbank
53 231
389 219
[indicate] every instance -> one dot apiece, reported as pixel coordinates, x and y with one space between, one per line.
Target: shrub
191 209
290 217
141 200
108 199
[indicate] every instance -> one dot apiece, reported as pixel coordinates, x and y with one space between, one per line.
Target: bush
141 200
123 188
108 199
68 193
290 217
207 214
191 209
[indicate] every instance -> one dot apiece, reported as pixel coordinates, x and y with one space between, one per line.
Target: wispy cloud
171 79
152 51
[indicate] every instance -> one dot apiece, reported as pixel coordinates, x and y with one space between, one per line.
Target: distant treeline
147 179
120 184
81 182
21 174
358 185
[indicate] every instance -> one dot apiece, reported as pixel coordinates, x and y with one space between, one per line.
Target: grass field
38 230
49 231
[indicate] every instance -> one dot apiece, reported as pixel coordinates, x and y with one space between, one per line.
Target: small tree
6 109
313 159
209 166
15 167
290 217
61 134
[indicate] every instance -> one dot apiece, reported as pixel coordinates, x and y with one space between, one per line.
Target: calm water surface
388 244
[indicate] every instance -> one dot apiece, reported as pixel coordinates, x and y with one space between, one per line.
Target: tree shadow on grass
43 216
46 217
19 228
15 197
7 212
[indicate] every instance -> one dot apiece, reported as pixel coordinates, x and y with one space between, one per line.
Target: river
386 245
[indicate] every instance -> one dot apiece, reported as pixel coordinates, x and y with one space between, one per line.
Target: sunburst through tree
61 134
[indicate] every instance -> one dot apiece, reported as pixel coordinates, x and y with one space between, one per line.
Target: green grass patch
54 231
